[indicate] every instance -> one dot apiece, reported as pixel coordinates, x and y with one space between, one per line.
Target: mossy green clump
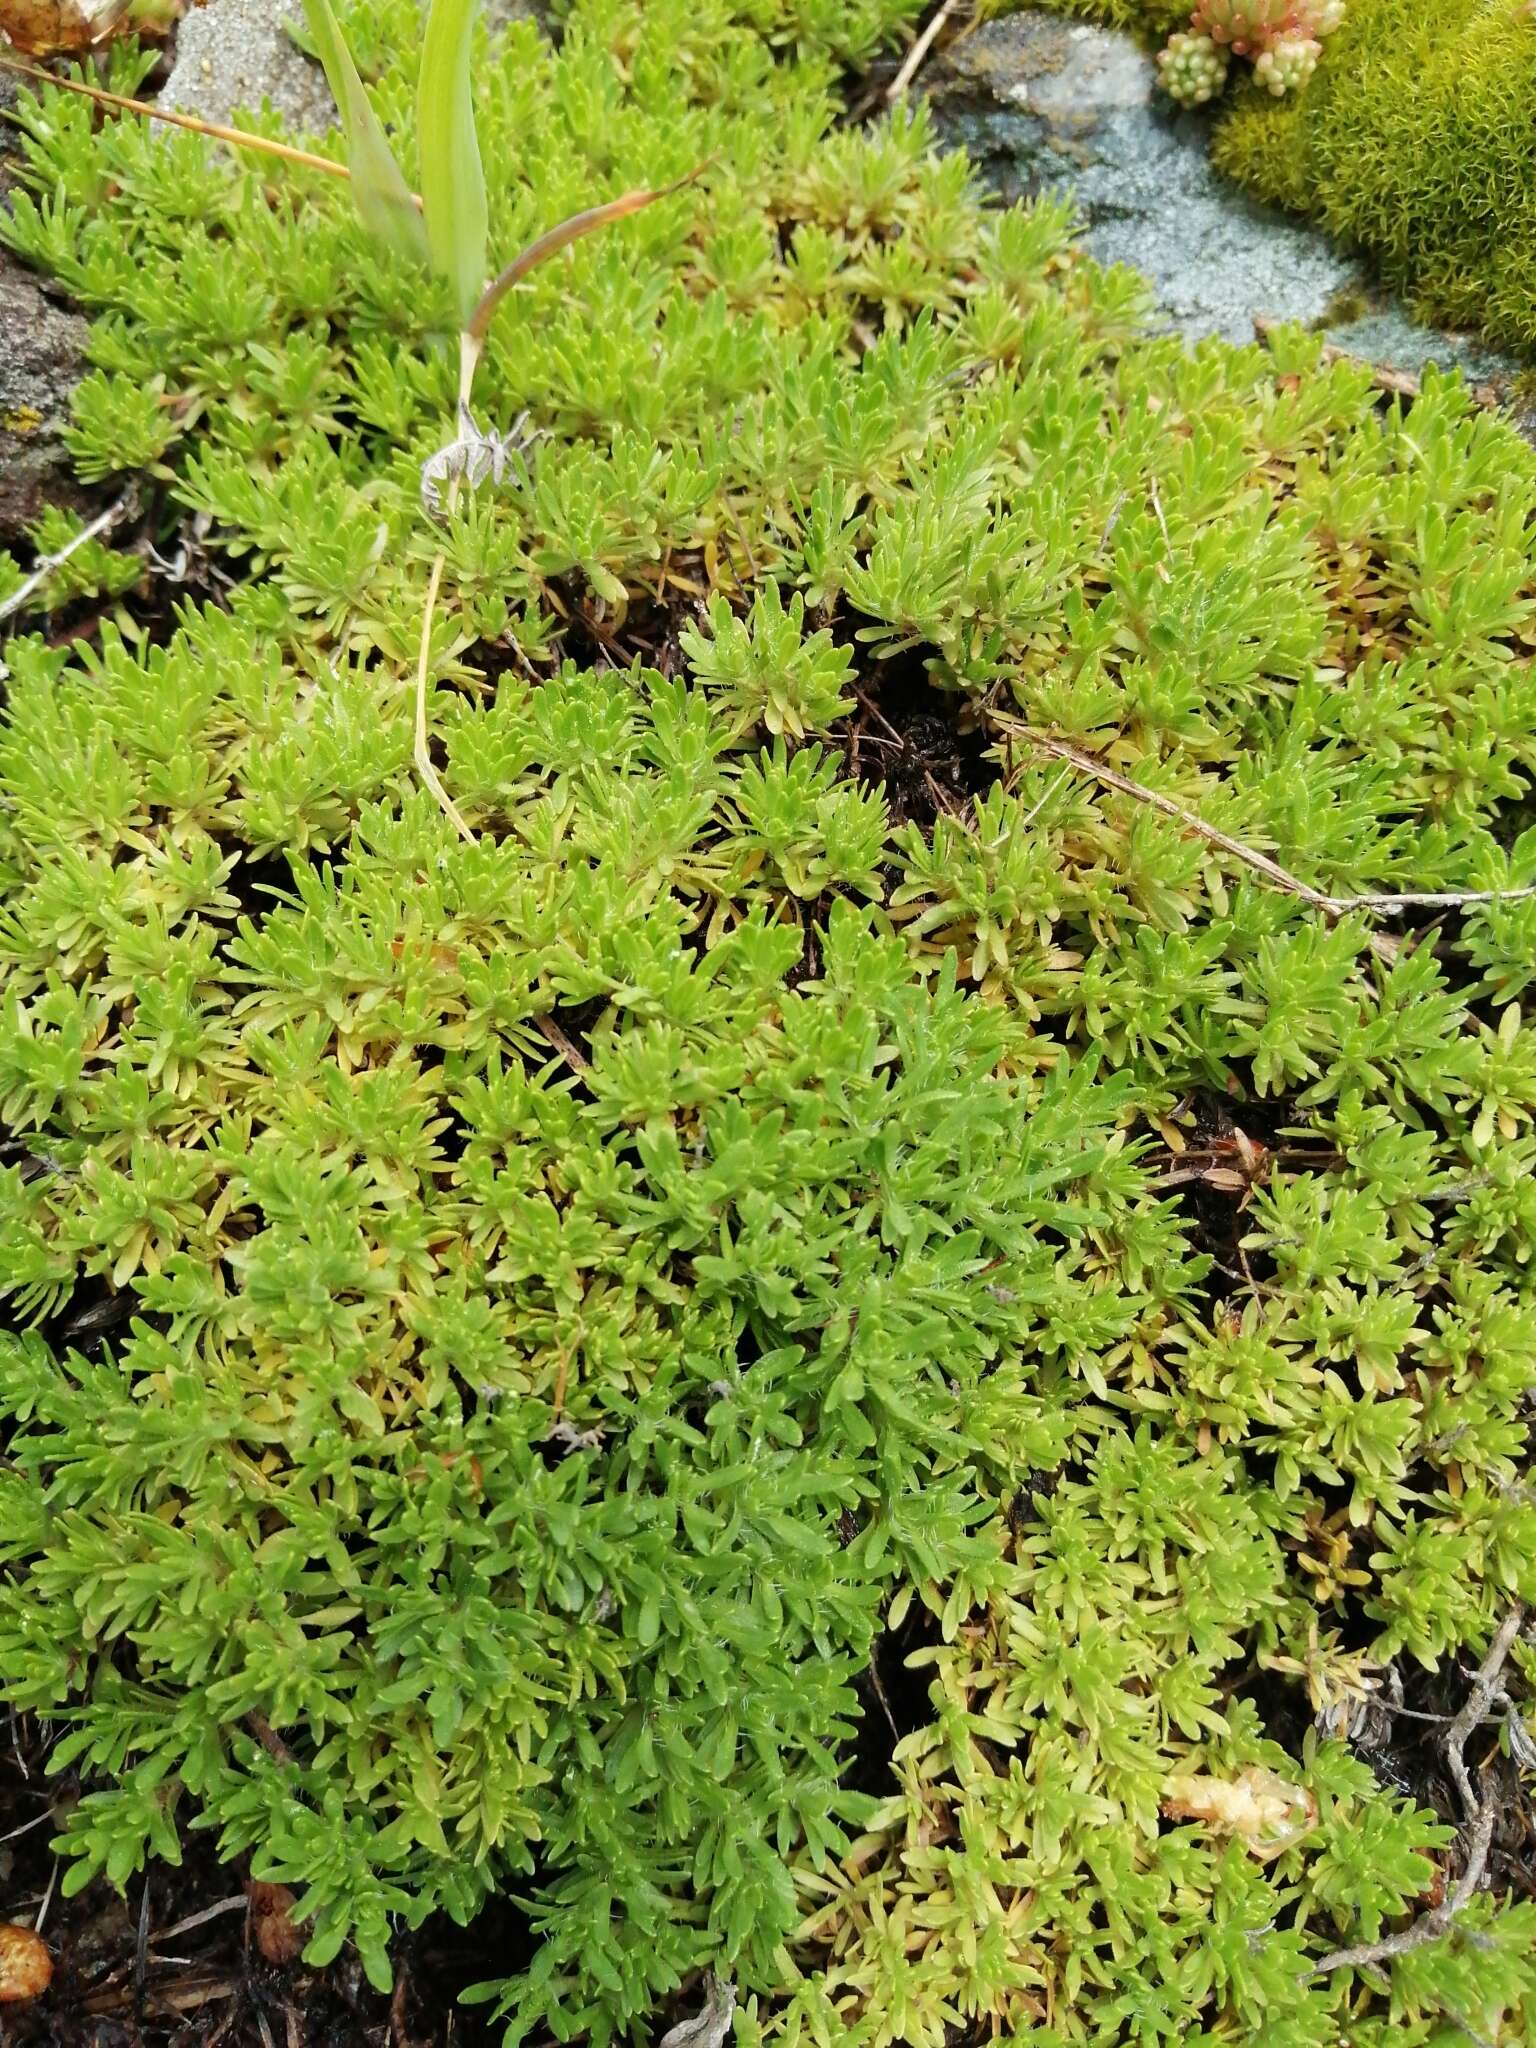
512 1328
1148 18
1411 141
1151 19
1414 142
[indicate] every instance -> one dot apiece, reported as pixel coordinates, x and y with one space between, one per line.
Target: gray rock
236 53
41 358
41 355
42 348
1043 104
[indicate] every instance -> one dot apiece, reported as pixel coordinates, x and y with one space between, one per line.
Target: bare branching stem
1260 863
102 523
1481 1813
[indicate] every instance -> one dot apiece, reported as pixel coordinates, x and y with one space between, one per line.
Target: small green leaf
452 178
384 199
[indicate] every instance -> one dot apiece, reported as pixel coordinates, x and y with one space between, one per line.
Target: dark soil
136 1972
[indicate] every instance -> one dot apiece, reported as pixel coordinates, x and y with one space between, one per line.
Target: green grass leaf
452 178
384 199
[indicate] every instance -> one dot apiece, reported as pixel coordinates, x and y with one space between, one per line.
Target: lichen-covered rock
41 355
236 53
1047 104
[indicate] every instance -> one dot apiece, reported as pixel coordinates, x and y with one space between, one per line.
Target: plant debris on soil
192 1955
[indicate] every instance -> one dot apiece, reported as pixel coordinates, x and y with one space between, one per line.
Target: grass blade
384 199
452 177
556 238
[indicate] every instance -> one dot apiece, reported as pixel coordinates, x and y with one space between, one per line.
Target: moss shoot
847 1350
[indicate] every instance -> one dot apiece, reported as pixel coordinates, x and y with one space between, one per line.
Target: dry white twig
1271 870
42 1911
709 2028
1476 1704
913 61
27 1826
102 523
238 1902
1481 1813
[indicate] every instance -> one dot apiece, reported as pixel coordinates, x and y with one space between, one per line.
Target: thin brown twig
1397 383
746 545
941 798
562 1044
1089 764
240 138
885 1705
213 1912
141 1949
268 1736
1481 1813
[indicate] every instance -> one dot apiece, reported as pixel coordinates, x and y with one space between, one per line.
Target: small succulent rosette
1282 39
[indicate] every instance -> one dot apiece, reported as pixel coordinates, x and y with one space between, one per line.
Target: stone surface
1042 103
41 358
234 54
237 53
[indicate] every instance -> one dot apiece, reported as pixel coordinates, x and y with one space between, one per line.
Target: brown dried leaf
26 1968
49 28
276 1933
1262 1811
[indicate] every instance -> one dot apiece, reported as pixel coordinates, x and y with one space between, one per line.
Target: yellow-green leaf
384 199
452 177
